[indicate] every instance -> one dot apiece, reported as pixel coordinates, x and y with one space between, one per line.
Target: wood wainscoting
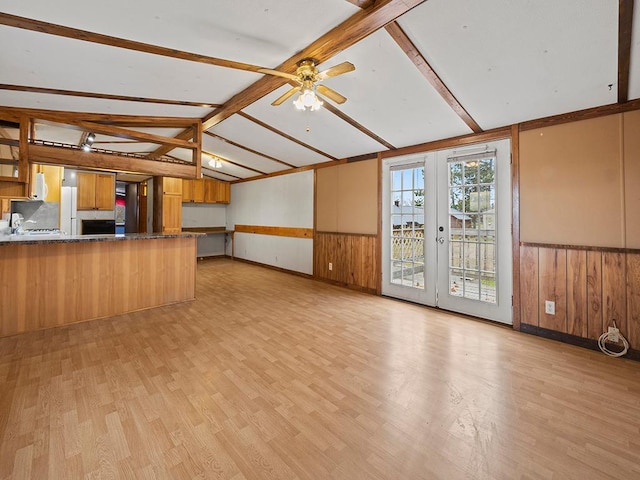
353 257
591 287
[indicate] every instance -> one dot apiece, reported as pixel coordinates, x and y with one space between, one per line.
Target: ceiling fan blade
277 73
285 96
336 70
331 94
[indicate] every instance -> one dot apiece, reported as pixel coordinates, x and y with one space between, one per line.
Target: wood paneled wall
590 287
52 284
353 257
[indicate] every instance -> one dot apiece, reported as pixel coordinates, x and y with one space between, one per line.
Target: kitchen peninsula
48 282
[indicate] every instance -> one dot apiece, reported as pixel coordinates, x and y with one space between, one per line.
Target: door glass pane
407 233
472 229
455 282
396 272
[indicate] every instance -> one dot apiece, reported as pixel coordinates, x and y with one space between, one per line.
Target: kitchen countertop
39 239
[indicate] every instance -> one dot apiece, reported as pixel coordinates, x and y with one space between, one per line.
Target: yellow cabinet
193 191
171 214
167 205
171 186
96 191
205 190
216 191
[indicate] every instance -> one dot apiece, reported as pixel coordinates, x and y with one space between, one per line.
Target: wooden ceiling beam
102 161
469 139
625 28
251 150
119 132
106 118
586 114
408 47
86 36
104 96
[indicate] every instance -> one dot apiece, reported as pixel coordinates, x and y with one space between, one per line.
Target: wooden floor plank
275 376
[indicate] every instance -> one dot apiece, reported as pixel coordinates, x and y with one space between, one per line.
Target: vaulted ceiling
425 70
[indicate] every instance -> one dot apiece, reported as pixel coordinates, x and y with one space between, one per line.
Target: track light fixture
88 141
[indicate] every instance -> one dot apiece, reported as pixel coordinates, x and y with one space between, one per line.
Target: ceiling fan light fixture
308 100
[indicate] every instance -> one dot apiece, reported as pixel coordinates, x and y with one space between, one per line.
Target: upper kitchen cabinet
171 186
205 190
13 159
216 191
193 191
96 191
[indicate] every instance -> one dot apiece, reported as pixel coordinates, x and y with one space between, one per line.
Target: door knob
441 240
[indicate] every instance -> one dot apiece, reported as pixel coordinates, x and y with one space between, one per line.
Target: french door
446 222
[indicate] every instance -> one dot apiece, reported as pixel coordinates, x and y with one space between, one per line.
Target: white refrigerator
69 210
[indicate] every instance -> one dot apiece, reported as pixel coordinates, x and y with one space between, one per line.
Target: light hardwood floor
272 376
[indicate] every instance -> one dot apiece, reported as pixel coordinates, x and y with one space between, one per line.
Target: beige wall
572 182
632 177
347 198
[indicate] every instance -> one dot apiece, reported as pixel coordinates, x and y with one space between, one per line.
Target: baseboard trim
357 288
272 267
571 339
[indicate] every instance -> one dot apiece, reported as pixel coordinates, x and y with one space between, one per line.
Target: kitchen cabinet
171 214
171 186
216 191
206 190
96 191
167 205
193 191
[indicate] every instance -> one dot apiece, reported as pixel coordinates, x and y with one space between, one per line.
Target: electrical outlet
550 307
330 266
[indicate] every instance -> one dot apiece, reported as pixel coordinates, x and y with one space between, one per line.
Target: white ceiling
505 61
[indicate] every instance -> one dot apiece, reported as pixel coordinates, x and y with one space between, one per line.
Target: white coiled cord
606 337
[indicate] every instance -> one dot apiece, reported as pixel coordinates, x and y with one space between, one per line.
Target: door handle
441 240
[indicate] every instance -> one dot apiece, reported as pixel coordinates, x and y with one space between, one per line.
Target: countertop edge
33 240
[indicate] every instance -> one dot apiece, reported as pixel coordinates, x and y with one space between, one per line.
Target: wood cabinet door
86 191
198 190
210 190
105 192
187 190
171 213
172 186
